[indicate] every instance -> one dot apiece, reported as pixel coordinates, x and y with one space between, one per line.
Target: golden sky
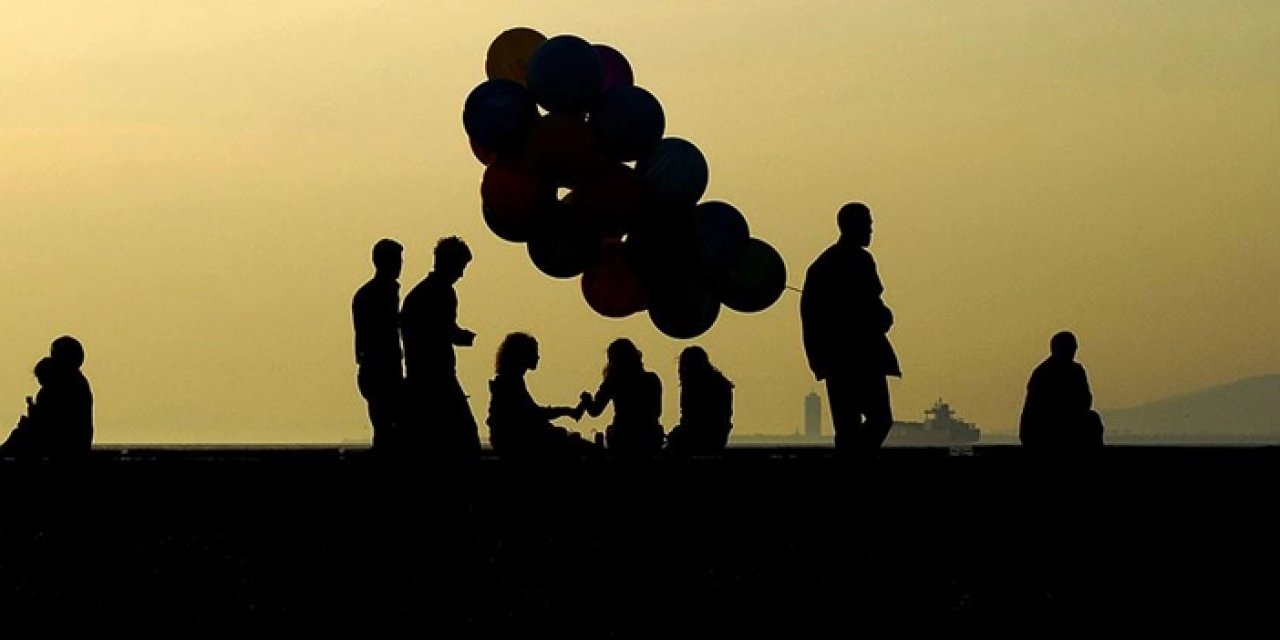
192 188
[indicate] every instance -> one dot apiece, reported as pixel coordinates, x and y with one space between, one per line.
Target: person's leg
874 393
846 414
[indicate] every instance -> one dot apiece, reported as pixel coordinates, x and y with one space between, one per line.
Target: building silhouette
812 416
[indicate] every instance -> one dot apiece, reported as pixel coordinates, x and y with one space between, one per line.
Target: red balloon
613 199
610 287
616 69
513 199
485 156
562 148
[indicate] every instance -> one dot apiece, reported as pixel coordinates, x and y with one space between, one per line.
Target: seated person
1057 417
38 432
706 406
636 395
518 426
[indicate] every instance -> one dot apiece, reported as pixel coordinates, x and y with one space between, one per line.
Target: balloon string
795 289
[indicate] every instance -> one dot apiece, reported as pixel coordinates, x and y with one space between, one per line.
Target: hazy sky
192 188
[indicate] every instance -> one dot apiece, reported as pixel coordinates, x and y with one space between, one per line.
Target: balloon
498 114
563 245
513 199
683 309
675 171
610 287
485 156
662 247
628 122
561 148
614 67
510 52
612 199
565 75
721 230
754 279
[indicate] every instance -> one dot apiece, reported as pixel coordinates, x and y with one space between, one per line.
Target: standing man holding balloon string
845 325
436 419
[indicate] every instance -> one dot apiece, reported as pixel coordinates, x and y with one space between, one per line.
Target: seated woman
706 407
636 395
518 426
32 435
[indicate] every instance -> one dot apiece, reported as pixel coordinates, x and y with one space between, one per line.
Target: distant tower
812 416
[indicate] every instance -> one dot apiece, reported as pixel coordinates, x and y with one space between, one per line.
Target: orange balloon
510 52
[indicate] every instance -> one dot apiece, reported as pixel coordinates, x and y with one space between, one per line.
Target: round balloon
565 75
498 114
675 172
562 244
628 122
754 279
662 247
610 287
513 199
561 148
510 52
721 230
485 156
615 69
684 309
613 199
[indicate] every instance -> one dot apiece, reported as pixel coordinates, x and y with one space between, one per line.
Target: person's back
706 407
426 322
1057 415
637 408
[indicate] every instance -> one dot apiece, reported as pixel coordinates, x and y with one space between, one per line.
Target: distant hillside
1247 407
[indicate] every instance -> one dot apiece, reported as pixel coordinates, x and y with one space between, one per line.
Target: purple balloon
617 71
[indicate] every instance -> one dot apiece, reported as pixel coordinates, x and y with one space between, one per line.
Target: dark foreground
793 542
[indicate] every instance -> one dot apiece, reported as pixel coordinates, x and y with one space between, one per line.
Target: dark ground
790 541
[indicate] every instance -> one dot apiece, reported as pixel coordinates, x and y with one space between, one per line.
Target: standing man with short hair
375 311
438 419
845 325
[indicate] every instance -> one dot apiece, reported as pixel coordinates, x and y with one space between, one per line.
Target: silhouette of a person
845 325
519 426
706 406
73 435
437 417
1058 416
59 419
636 395
375 315
27 440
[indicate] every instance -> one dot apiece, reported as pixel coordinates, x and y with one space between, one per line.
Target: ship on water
940 428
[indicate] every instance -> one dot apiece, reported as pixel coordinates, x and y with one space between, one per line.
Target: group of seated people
58 423
520 427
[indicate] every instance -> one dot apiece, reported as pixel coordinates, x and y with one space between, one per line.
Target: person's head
67 351
694 361
623 356
388 258
45 370
854 221
517 353
451 257
1063 345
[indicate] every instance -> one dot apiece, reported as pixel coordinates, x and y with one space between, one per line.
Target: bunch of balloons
577 168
